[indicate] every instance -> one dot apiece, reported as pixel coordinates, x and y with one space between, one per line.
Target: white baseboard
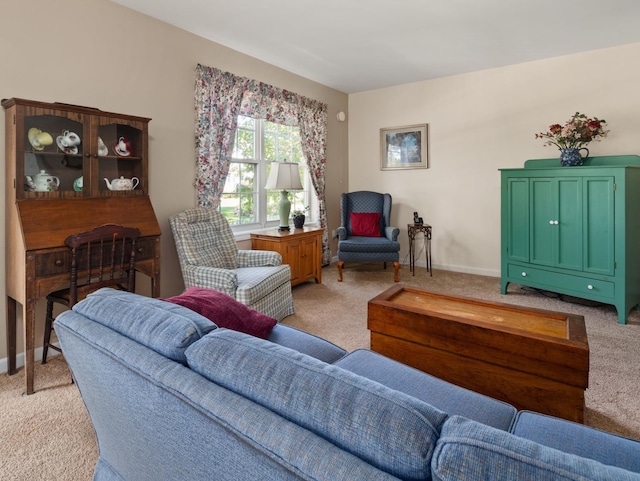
463 269
37 357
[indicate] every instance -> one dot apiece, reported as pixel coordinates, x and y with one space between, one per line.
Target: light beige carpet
48 435
338 311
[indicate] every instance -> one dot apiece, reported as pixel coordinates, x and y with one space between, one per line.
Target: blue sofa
173 397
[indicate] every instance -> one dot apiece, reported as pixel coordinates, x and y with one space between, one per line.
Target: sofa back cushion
388 429
162 326
468 450
578 439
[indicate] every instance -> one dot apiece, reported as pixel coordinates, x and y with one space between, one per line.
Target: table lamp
284 176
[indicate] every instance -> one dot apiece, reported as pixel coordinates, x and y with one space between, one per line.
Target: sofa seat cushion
166 328
441 394
224 311
388 429
579 439
368 244
468 451
255 283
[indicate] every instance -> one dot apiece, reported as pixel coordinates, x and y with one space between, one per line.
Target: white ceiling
357 45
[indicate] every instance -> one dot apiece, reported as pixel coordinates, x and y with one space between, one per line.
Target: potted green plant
299 217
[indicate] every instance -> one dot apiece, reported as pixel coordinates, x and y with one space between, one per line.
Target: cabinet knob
524 274
58 262
87 155
590 287
555 222
550 222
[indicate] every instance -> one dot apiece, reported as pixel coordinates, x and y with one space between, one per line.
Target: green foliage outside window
259 142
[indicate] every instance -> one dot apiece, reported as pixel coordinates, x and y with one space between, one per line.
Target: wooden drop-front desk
39 261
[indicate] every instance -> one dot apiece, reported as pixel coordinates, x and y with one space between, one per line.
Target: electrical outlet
333 234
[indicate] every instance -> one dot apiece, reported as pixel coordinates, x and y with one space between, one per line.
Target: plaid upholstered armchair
365 234
210 258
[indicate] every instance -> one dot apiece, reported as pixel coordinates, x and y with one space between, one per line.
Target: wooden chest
531 358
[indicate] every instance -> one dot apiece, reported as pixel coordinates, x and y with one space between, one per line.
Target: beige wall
481 122
99 54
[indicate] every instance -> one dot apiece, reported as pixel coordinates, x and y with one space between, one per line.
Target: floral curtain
219 98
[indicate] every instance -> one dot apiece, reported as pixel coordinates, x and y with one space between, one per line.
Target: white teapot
42 182
122 183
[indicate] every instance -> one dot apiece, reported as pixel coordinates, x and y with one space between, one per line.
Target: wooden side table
300 248
413 230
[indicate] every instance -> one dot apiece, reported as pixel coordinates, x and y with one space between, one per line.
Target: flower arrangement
576 133
299 212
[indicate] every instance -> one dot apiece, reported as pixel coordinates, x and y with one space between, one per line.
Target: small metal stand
413 230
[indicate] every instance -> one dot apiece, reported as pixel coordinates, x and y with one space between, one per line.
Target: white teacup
70 139
122 145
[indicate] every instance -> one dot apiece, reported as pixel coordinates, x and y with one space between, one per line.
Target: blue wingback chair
355 247
210 258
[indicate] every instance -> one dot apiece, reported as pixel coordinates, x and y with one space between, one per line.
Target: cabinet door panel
543 214
569 228
518 219
599 220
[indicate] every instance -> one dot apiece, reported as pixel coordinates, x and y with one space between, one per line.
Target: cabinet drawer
566 283
53 262
146 248
59 261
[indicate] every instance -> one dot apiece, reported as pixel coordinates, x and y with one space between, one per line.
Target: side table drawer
581 286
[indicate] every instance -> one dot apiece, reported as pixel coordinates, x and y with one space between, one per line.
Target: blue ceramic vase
572 157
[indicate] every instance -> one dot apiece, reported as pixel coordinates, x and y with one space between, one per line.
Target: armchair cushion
212 250
369 245
224 311
365 224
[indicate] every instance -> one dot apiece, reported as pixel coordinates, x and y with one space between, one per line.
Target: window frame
260 193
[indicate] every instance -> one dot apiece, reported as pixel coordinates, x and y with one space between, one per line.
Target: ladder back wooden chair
102 257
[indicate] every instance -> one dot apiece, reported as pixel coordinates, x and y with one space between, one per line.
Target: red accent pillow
365 224
224 311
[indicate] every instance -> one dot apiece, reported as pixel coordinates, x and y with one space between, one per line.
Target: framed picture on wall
404 147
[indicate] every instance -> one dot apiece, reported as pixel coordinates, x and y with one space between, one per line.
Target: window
245 201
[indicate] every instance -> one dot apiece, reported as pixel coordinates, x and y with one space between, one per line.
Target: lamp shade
284 176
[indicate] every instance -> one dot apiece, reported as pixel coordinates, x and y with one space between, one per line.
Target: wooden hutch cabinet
300 248
574 230
61 161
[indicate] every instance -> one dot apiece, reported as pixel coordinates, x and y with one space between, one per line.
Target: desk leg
29 343
11 336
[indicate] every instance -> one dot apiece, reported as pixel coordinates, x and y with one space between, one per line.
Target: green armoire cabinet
574 230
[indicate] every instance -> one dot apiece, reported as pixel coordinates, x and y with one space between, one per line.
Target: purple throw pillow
224 311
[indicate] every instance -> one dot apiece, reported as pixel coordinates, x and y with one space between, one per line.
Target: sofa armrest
306 343
341 232
258 258
578 439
